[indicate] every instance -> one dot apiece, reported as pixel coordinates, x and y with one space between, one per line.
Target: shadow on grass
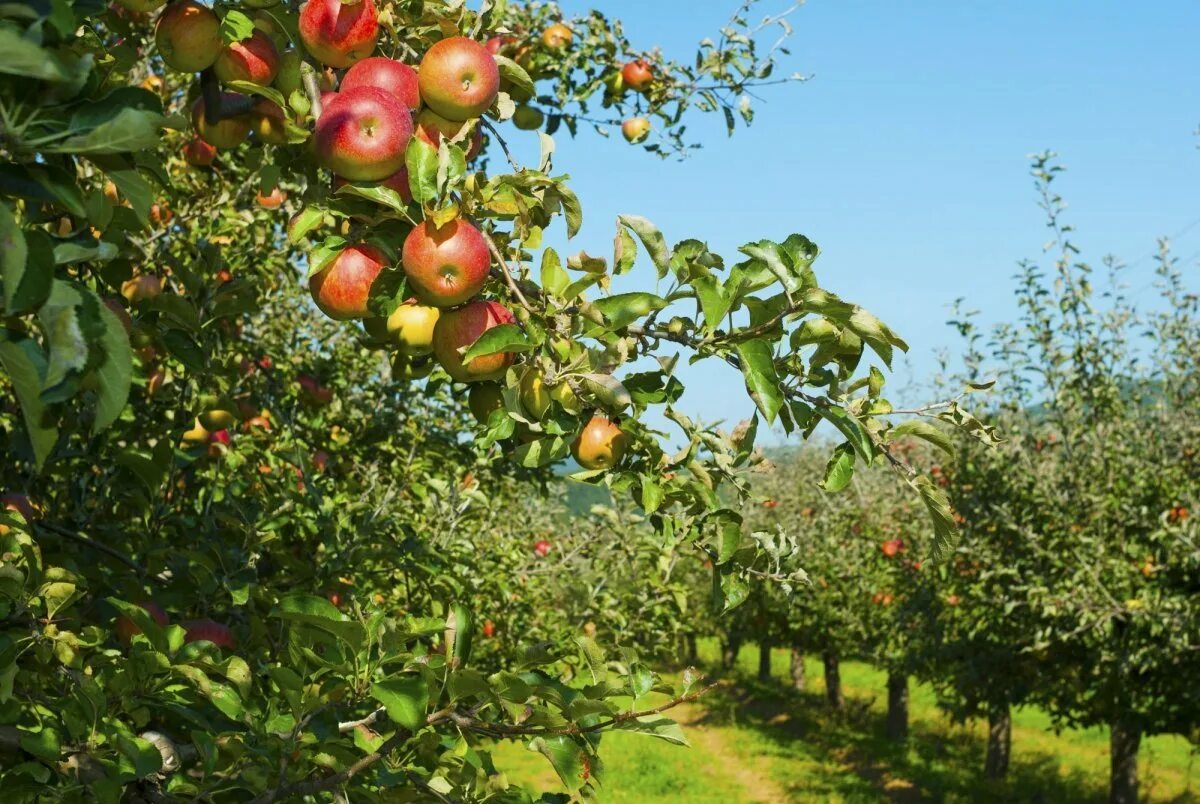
938 762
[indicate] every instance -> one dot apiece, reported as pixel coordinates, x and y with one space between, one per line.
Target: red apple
446 266
209 631
320 460
229 133
542 548
489 629
432 127
637 75
337 33
335 599
120 312
600 445
389 75
362 134
255 60
457 329
273 199
142 287
20 504
459 79
199 153
635 129
499 43
314 390
341 289
892 547
188 36
127 628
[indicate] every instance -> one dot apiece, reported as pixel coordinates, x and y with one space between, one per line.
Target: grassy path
759 742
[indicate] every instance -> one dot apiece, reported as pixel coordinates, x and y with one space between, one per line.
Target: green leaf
319 613
129 130
571 209
542 452
876 334
304 222
46 184
236 27
554 279
502 338
851 428
45 744
734 589
26 281
324 254
69 341
20 56
624 251
608 390
378 194
146 759
713 300
114 375
516 76
840 469
594 657
945 531
758 366
406 699
925 431
652 240
421 158
655 726
570 762
26 366
729 534
623 309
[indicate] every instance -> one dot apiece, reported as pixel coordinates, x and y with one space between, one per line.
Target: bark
999 747
1124 744
797 670
764 661
897 712
833 680
692 653
730 650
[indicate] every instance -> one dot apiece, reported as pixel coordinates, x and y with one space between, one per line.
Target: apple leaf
762 382
502 338
652 239
405 697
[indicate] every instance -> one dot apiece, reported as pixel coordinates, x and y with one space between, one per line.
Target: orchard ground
761 742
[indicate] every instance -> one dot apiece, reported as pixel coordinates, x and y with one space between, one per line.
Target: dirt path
711 746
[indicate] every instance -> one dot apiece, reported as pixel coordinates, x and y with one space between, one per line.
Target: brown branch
503 145
508 277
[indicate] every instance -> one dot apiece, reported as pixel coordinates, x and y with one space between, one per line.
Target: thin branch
503 145
508 277
92 543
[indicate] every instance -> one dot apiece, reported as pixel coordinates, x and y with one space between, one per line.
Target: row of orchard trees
1076 586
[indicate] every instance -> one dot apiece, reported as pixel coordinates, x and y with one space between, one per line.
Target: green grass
755 741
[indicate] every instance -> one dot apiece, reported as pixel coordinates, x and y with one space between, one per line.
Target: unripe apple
209 631
389 75
127 628
459 79
406 369
534 395
259 3
600 445
432 127
342 288
362 134
255 60
229 133
635 129
557 36
141 287
446 266
637 75
410 326
199 153
483 398
188 36
288 78
528 118
339 34
457 329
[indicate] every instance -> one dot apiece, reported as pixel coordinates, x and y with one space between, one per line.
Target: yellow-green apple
432 127
228 133
405 368
410 326
635 129
600 445
557 36
337 33
288 77
217 414
342 288
198 153
255 60
196 435
362 134
445 265
209 631
389 75
127 628
528 118
457 329
536 396
483 398
637 75
141 287
188 36
459 79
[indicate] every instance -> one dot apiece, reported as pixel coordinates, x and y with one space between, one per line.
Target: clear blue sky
905 156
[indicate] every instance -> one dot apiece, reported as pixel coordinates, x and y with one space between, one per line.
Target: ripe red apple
637 75
600 445
892 547
335 598
341 289
557 36
459 79
273 199
446 266
635 129
389 75
188 36
127 628
362 134
952 600
199 153
314 390
457 329
432 127
337 33
229 133
489 629
542 548
499 43
255 60
209 631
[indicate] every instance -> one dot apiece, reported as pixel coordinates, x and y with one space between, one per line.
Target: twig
95 545
503 145
508 277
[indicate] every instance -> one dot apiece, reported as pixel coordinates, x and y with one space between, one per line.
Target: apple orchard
290 381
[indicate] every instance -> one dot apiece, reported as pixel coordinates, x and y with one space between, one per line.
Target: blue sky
905 155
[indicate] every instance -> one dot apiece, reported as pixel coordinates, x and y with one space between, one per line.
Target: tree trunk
692 653
999 747
1124 743
797 670
764 661
897 712
833 680
730 650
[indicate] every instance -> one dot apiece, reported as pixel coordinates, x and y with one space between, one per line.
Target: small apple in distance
600 445
342 288
254 59
446 265
542 548
314 390
361 135
320 460
339 34
489 629
387 74
637 75
498 44
528 118
209 631
635 129
198 153
459 79
141 288
431 127
892 547
457 329
557 36
188 36
228 133
273 199
127 628
410 326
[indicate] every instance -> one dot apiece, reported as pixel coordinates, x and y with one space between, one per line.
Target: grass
760 741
